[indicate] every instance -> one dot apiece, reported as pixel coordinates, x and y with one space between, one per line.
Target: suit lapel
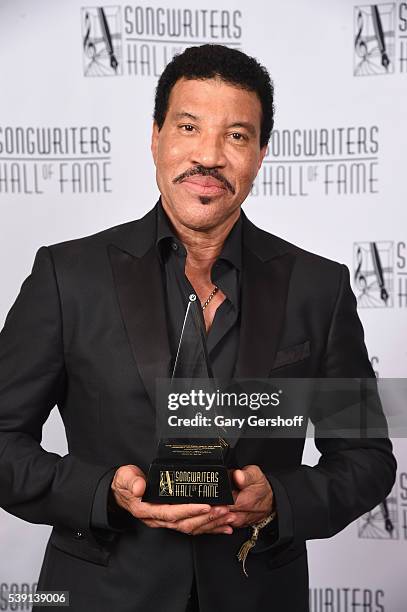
263 303
138 284
266 272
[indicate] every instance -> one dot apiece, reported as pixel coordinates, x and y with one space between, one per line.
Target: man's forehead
195 98
202 84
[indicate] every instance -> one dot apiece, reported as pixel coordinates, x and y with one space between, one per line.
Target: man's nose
209 151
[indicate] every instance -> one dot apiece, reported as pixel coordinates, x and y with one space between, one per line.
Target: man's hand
253 502
254 498
128 487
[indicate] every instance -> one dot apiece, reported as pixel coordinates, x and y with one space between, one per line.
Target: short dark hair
230 65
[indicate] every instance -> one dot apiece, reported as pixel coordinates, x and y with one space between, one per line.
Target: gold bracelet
251 542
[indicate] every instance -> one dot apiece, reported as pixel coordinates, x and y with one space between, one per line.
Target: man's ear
154 141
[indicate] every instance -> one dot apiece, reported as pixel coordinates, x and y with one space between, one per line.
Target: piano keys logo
102 41
374 38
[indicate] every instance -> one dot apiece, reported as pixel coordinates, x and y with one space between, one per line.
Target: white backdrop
75 124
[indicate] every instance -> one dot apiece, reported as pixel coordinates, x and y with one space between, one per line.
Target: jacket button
78 535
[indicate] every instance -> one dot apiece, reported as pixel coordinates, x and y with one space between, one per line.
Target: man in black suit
97 322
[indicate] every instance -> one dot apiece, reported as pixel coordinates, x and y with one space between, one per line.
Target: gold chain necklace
208 299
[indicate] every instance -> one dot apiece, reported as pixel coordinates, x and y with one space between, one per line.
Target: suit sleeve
106 514
36 485
353 475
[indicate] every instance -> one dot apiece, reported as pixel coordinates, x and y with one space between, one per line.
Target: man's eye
237 136
187 127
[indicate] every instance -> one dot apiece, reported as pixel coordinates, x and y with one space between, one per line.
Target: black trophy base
183 483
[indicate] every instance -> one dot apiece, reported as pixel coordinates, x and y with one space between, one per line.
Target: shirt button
78 535
174 246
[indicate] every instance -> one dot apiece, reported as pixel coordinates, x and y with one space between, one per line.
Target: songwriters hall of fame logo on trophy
101 41
373 274
167 483
374 39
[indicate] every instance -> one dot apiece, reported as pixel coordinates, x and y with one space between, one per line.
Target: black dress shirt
223 335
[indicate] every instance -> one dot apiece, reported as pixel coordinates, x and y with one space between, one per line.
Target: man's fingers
214 520
204 529
242 519
235 495
134 487
208 530
178 512
249 475
197 525
129 482
239 479
167 512
210 524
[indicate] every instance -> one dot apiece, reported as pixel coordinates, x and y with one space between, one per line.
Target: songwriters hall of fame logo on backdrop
323 160
380 274
141 40
373 274
374 39
380 38
382 522
102 41
388 520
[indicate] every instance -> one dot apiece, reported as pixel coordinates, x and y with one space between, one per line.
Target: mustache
205 172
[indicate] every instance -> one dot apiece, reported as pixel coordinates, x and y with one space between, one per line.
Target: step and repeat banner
76 103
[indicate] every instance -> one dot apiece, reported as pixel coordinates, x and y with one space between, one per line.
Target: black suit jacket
88 332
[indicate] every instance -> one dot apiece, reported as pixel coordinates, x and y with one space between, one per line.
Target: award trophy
190 470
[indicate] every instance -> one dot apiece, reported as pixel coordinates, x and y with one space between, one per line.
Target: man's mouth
204 185
204 182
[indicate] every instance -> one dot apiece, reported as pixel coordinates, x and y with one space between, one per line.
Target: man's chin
200 213
203 223
205 199
200 222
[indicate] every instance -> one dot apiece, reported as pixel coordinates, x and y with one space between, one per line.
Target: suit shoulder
134 236
309 257
91 241
271 243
